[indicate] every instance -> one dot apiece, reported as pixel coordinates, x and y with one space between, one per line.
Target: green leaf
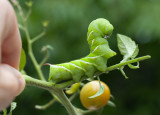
111 104
13 106
100 91
22 60
127 47
135 52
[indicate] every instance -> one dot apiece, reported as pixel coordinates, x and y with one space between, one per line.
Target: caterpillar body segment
98 32
88 67
59 73
99 28
99 61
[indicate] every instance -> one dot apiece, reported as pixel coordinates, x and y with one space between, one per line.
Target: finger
9 35
11 85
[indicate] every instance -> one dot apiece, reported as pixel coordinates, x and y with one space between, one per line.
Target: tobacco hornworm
98 32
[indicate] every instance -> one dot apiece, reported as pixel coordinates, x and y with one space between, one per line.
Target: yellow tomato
90 89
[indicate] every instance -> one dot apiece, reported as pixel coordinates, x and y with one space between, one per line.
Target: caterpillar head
99 28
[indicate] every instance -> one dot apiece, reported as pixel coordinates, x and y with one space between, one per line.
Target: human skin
11 81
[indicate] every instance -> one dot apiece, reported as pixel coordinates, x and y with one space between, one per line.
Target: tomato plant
94 94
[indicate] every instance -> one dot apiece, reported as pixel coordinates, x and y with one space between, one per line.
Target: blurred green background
68 22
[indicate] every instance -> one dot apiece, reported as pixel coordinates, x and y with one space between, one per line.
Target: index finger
10 40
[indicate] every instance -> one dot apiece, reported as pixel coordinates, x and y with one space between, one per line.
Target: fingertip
11 79
22 83
5 99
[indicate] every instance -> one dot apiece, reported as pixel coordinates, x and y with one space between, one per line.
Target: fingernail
21 83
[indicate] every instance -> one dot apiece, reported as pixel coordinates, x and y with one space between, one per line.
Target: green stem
43 107
116 66
73 96
38 36
30 52
66 103
82 112
5 112
21 27
38 83
127 62
28 14
24 27
50 87
44 59
65 84
42 83
99 112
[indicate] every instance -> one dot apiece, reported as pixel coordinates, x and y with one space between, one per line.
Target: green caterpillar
98 32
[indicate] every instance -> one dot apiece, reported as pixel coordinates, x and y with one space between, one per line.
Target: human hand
11 81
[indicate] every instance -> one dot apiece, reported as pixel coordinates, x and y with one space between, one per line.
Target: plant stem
38 36
30 52
83 112
73 96
44 59
29 40
116 66
28 14
38 83
127 62
66 103
34 82
43 107
58 92
5 112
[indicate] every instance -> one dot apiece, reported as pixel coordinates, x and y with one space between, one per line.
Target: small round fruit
90 89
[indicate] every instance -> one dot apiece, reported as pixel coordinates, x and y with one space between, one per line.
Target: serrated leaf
22 60
127 47
133 67
111 104
100 91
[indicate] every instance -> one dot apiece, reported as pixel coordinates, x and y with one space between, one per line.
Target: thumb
11 84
